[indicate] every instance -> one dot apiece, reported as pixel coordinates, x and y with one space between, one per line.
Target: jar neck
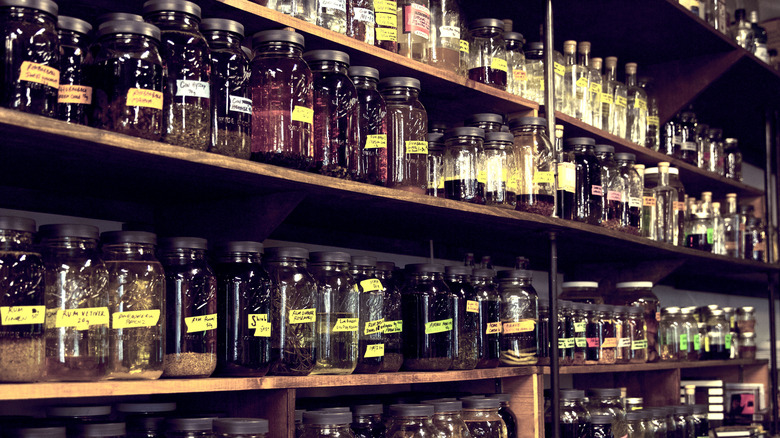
631 79
278 48
240 257
530 129
426 276
364 83
331 266
180 254
220 39
13 240
486 32
124 251
611 73
174 20
328 67
516 282
288 261
400 93
129 39
74 39
365 271
70 243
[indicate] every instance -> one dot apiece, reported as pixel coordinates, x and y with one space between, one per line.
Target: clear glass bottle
579 322
649 181
519 318
426 306
636 110
574 416
687 149
318 424
670 141
445 35
371 346
518 74
367 421
74 94
543 333
679 206
717 344
332 14
665 198
699 231
653 136
305 10
614 100
494 165
534 66
614 187
755 240
482 419
487 53
361 20
77 300
534 173
632 217
715 150
414 29
760 38
669 334
589 190
435 165
372 159
741 30
566 182
466 318
640 294
733 232
489 331
393 325
460 164
386 24
732 160
605 340
717 15
703 151
576 92
407 124
592 97
411 420
690 341
595 87
638 335
622 334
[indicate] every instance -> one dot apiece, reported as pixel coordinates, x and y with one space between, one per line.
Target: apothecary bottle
31 55
653 136
240 427
666 225
715 151
534 161
22 290
414 29
487 53
75 93
690 342
565 326
636 109
589 191
407 124
293 311
519 318
746 319
372 158
460 164
231 114
428 319
732 162
717 344
465 353
305 10
411 420
608 336
191 308
393 325
338 302
77 300
386 24
579 324
198 427
489 327
332 14
637 330
127 83
282 101
136 286
613 100
534 68
436 165
360 20
445 35
622 334
187 58
686 148
517 74
494 165
244 294
669 332
574 416
371 346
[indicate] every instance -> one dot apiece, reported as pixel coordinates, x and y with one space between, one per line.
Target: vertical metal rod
772 166
553 330
772 277
549 71
770 191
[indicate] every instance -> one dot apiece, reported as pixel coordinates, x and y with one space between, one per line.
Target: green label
561 344
710 233
570 343
684 341
697 342
392 326
579 327
639 345
445 325
580 342
728 341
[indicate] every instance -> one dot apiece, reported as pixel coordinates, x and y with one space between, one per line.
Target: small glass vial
580 323
71 415
638 335
534 176
136 286
494 165
189 428
460 164
372 159
519 318
482 419
435 165
717 344
240 428
518 76
715 149
414 420
414 29
74 95
487 53
367 421
371 347
489 332
393 325
465 353
669 331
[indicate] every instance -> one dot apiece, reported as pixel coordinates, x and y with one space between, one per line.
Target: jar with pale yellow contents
519 318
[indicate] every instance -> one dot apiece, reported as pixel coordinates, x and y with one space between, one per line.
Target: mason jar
519 318
393 325
534 177
371 345
75 93
487 53
482 419
460 164
465 354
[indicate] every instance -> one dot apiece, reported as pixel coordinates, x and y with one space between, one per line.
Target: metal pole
772 277
549 71
772 163
553 330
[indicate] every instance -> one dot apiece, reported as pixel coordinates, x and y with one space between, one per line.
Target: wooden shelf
657 366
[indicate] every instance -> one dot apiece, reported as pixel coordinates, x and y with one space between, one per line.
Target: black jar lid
503 398
115 237
575 141
683 410
363 261
78 411
484 274
189 424
572 394
363 72
330 257
97 430
536 46
146 408
118 16
625 156
513 36
246 246
240 426
53 231
459 270
636 415
17 223
435 139
445 405
385 266
278 252
506 137
129 26
700 409
604 392
425 268
513 274
527 121
412 410
223 24
47 6
604 308
464 131
486 22
73 24
169 243
370 409
326 55
601 419
277 36
400 81
438 125
185 6
481 403
327 417
605 149
34 432
484 118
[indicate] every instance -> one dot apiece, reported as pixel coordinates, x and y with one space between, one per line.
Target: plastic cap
78 411
330 257
436 137
364 261
73 24
223 24
129 26
512 274
279 252
118 16
580 284
240 426
603 392
153 6
459 270
277 36
486 22
385 266
495 137
326 55
425 268
481 403
484 273
625 156
527 121
115 237
242 246
33 432
371 409
399 81
484 118
69 230
464 131
47 6
605 149
411 410
146 408
572 394
184 243
95 430
587 141
363 71
513 36
17 223
446 405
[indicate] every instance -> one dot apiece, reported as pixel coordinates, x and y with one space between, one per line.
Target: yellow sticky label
513 184
386 7
22 315
607 98
621 101
543 177
144 98
376 350
81 319
653 120
303 114
201 323
135 319
74 94
493 328
300 316
371 285
374 327
527 325
595 88
40 74
376 141
417 147
472 306
609 343
559 69
385 19
648 201
499 64
346 325
519 75
464 46
541 84
567 177
393 326
445 325
582 82
259 322
386 34
482 176
640 104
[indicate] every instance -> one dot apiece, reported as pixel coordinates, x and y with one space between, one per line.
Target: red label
417 20
593 342
614 196
596 191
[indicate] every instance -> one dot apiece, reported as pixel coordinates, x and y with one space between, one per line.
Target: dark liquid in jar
71 58
489 76
336 118
566 201
634 217
372 164
489 344
509 420
485 429
462 190
538 204
718 352
423 351
698 241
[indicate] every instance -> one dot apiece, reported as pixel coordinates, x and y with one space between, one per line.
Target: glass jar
411 420
189 428
372 156
407 147
482 419
136 287
622 334
680 417
393 325
747 346
717 344
466 318
426 306
244 294
631 221
240 427
518 77
579 324
145 420
435 165
701 423
608 340
73 95
495 164
338 303
30 47
519 318
367 421
634 404
231 114
127 81
582 292
755 240
565 333
615 188
445 35
690 342
489 328
336 114
487 53
588 191
715 150
506 414
746 319
489 122
574 416
669 331
22 294
543 333
360 20
606 401
637 334
332 14
534 66
679 205
447 418
100 430
386 24
460 164
77 300
640 294
685 148
635 424
414 29
371 347
534 173
191 302
282 101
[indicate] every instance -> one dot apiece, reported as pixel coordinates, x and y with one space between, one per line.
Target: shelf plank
657 366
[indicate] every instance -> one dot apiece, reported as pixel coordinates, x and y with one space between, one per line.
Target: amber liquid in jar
488 75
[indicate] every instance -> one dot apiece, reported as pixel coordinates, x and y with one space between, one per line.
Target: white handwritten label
241 104
187 88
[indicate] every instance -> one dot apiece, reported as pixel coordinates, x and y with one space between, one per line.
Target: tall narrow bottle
665 198
445 35
614 100
718 237
575 83
760 38
741 30
648 201
636 114
414 29
732 228
653 136
595 87
583 50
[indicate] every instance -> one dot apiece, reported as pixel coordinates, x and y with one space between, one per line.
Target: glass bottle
371 346
565 333
574 416
701 424
187 58
755 240
411 420
614 100
636 109
601 426
22 294
741 30
665 198
31 48
733 240
640 294
435 165
746 319
670 141
386 24
534 173
360 20
323 423
231 115
407 123
338 303
74 95
445 35
293 311
494 165
638 335
426 306
732 162
690 342
653 136
615 189
460 164
622 334
698 237
282 101
367 421
332 14
393 326
717 15
607 338
581 291
543 333
482 419
590 99
717 344
579 322
703 151
534 66
506 414
715 150
759 38
687 149
487 53
679 206
136 286
589 191
191 308
596 85
77 300
632 217
576 92
566 183
519 317
518 75
414 29
372 160
336 114
489 329
649 181
606 401
466 309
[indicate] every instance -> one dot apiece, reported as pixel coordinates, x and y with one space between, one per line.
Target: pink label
596 191
614 196
593 342
417 20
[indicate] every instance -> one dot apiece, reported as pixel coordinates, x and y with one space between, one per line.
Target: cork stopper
610 61
706 196
583 47
507 24
640 169
731 195
663 166
631 68
558 131
595 63
569 47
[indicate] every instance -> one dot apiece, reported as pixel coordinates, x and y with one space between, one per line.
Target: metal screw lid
69 230
326 55
129 26
399 81
240 426
245 246
330 256
115 237
185 6
278 252
464 131
486 22
223 24
277 36
17 223
183 243
73 24
363 72
47 6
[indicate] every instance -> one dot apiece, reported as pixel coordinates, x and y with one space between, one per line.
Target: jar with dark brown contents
465 354
565 333
386 24
593 332
231 116
393 325
372 161
75 94
489 329
435 165
371 346
191 308
187 57
460 164
543 351
31 56
534 178
580 323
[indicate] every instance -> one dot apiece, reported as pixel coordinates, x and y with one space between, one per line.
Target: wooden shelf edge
657 366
